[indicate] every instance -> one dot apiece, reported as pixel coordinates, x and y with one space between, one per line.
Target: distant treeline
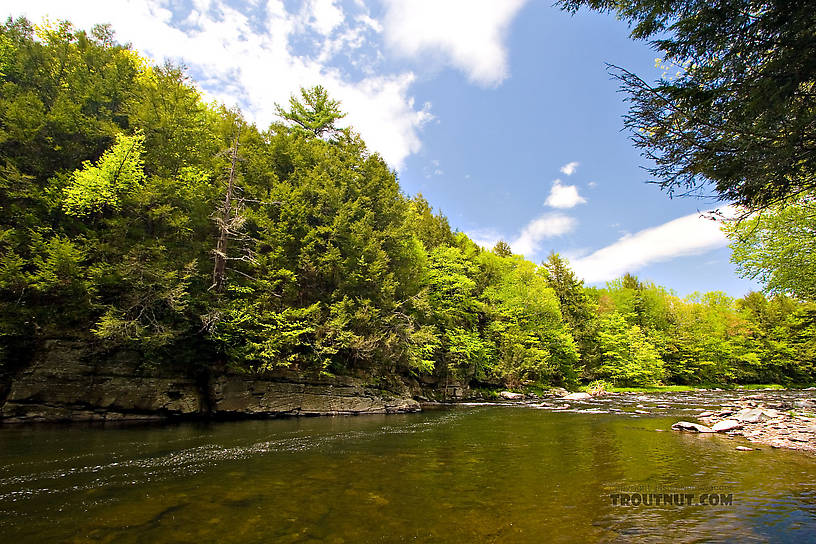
135 215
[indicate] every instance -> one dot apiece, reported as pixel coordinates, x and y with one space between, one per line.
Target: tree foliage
97 187
734 113
314 111
777 247
112 171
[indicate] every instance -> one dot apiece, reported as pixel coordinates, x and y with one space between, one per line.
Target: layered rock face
239 395
67 383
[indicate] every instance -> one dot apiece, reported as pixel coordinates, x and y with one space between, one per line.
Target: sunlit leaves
777 247
100 186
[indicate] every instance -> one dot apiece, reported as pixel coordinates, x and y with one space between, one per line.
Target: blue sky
501 113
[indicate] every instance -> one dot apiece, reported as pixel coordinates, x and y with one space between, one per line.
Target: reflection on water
471 474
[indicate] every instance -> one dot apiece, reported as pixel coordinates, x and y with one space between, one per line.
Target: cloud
256 53
547 226
570 168
529 240
486 238
688 235
434 169
323 15
468 34
564 196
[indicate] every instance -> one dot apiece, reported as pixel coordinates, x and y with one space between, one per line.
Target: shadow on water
475 474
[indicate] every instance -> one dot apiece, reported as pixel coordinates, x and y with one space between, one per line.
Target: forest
136 215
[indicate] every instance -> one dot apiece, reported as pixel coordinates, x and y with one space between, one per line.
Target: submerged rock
692 427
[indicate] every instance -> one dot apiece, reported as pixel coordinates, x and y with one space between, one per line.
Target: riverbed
479 473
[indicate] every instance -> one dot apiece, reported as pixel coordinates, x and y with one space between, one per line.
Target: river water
464 474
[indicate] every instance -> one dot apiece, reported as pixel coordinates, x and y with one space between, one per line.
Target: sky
501 113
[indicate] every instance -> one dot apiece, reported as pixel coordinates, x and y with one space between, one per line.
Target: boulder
578 396
749 415
756 415
726 425
509 395
692 427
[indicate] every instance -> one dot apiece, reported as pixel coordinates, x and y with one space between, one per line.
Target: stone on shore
755 415
509 395
578 396
726 425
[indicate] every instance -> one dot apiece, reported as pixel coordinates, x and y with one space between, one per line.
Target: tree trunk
219 269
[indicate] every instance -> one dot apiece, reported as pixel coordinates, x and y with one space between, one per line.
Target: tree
432 229
97 187
777 247
737 114
316 113
502 249
228 219
576 307
627 357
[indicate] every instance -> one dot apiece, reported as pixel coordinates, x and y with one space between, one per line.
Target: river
462 474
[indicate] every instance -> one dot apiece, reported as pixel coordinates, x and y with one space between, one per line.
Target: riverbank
790 425
772 416
70 383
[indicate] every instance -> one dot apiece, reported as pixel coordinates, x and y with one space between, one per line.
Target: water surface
469 474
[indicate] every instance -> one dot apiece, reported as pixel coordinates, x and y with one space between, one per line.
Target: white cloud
688 235
434 169
529 240
550 225
564 196
570 168
486 238
469 34
323 15
245 54
575 253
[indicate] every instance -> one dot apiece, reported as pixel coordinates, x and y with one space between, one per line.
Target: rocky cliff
67 382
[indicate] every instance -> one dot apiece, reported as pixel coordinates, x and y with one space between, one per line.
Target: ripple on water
476 473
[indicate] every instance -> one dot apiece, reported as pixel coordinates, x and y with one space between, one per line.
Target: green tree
502 249
524 320
735 114
578 310
432 229
777 247
315 112
627 357
97 187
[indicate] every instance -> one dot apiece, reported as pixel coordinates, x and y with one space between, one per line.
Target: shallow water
468 474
